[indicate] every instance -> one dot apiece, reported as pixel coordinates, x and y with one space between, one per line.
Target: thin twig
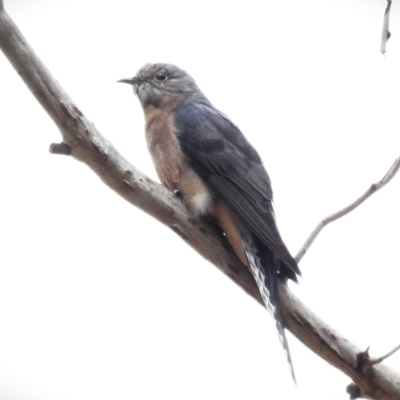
378 360
60 148
385 29
333 217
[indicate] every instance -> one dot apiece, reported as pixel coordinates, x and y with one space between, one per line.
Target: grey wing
224 158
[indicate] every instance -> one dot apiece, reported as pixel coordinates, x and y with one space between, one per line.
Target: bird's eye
160 76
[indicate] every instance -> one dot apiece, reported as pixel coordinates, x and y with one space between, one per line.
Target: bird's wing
223 157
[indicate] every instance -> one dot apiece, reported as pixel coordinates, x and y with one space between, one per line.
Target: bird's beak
131 81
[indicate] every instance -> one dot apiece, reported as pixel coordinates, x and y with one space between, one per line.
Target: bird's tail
264 266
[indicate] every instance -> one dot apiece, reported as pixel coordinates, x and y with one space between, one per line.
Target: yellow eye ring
160 76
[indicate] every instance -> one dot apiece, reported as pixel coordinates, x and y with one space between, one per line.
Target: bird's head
154 82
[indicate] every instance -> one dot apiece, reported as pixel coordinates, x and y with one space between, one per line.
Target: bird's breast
173 168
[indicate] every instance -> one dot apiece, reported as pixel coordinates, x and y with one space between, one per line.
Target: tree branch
385 28
378 360
88 146
344 211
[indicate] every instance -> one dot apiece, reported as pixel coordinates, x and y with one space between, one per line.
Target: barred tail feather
264 266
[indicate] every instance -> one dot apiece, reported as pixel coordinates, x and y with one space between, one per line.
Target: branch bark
385 28
88 146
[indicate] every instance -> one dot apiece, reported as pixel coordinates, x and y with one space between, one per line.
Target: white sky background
98 300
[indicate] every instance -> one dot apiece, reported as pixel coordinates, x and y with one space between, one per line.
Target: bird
199 153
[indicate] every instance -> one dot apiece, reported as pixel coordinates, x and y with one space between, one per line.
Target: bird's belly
195 192
173 168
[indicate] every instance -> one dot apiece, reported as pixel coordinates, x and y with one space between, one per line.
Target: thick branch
88 146
344 211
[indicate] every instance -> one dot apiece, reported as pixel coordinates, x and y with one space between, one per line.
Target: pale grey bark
385 28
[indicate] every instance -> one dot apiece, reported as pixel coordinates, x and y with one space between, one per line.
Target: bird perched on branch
200 153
